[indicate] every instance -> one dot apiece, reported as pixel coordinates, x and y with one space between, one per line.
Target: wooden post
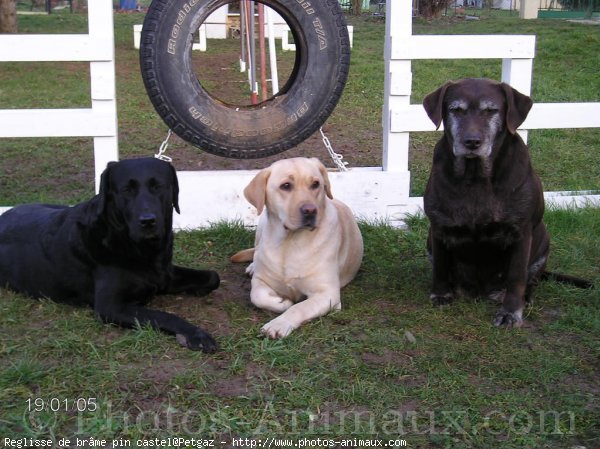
529 9
397 83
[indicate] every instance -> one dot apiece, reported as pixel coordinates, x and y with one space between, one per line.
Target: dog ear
175 189
97 206
325 176
104 188
105 179
518 106
256 191
434 102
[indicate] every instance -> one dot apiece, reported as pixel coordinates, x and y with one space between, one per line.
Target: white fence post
397 84
517 73
516 53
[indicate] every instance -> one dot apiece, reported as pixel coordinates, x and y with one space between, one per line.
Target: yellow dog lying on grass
307 246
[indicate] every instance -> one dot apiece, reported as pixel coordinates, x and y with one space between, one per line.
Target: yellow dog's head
294 191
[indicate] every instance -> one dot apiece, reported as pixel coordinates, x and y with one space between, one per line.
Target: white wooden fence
374 193
516 52
97 47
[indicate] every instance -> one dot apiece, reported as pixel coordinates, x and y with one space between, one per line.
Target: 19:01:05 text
61 405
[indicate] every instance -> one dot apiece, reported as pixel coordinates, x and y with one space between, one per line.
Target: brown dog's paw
508 319
198 341
497 296
441 300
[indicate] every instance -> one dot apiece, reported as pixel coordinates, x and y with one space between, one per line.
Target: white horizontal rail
465 47
57 123
212 196
565 200
563 115
54 47
412 118
554 201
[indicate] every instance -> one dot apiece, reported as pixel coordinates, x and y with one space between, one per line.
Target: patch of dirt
583 383
387 358
161 371
350 420
244 384
210 312
231 387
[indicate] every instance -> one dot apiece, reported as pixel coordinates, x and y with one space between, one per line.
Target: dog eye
315 185
286 186
457 110
490 110
129 188
155 186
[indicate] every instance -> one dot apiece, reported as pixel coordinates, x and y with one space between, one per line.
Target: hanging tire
245 132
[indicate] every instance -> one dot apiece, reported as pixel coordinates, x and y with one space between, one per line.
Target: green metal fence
569 9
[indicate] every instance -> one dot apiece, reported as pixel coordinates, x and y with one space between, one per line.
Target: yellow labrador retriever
307 246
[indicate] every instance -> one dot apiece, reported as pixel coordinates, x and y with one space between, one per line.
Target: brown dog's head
293 190
476 114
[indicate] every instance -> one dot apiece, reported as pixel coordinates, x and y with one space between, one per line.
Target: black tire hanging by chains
245 132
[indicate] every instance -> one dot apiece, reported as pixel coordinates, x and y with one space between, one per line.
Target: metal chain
335 157
163 148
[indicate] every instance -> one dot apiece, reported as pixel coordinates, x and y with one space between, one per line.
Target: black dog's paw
441 300
198 341
210 282
213 280
194 282
206 282
508 319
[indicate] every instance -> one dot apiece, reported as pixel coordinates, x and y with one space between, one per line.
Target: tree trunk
356 7
8 16
432 9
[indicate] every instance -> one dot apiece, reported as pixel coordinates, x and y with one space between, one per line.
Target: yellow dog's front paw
279 327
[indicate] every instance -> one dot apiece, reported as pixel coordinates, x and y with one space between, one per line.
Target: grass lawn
388 367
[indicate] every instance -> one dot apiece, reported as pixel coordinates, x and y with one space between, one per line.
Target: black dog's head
137 196
477 114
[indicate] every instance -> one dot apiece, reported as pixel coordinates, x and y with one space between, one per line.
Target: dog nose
472 142
148 220
308 210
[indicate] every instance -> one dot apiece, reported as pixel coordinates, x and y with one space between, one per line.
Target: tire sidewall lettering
282 122
277 127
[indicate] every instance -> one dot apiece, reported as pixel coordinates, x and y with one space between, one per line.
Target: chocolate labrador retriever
484 201
112 252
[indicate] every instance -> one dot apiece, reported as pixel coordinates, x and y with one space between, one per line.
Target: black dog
484 201
112 252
